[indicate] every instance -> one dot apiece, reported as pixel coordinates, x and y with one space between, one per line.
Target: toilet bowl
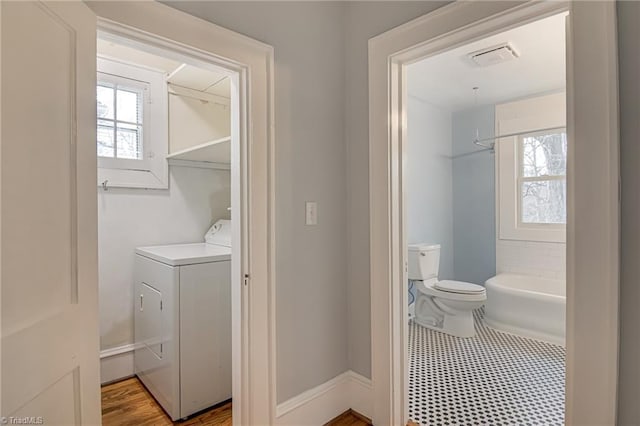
448 311
446 306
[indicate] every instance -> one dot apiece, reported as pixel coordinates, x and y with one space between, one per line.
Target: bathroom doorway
391 54
486 251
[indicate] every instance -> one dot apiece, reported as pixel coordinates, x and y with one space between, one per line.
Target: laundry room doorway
166 152
209 193
210 163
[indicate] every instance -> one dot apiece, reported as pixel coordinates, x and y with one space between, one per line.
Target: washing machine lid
459 287
186 254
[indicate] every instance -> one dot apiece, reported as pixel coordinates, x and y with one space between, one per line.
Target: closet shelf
215 154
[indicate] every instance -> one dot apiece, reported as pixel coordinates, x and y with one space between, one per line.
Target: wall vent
493 55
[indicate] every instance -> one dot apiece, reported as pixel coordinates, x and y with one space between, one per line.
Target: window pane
105 139
544 155
105 102
129 141
544 201
129 106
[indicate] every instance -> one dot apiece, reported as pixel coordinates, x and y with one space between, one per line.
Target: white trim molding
319 405
592 208
116 364
538 112
250 65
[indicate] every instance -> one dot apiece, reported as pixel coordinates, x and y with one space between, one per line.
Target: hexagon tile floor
491 379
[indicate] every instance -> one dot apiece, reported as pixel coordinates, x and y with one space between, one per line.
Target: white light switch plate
312 213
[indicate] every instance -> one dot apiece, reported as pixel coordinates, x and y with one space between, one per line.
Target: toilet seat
431 289
459 287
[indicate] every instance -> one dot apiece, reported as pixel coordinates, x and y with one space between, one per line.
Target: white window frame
152 171
527 115
142 88
521 178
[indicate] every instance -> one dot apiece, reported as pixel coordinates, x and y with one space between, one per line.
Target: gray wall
429 180
629 62
321 81
364 20
311 293
474 197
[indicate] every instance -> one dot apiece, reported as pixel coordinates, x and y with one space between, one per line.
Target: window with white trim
542 178
532 169
120 117
132 129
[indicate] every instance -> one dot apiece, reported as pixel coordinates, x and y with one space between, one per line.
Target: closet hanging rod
479 142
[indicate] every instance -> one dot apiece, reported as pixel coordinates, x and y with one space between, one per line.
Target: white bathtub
527 306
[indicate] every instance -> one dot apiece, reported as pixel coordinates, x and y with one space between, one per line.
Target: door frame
593 232
253 216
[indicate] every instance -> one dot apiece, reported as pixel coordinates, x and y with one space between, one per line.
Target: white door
48 256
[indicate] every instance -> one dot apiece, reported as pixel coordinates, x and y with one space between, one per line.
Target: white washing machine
183 322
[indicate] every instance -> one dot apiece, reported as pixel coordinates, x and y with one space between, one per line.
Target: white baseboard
361 394
313 407
116 364
324 402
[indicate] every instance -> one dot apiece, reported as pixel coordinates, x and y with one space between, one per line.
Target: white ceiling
447 79
180 74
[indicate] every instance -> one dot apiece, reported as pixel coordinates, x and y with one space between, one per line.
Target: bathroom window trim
521 178
152 171
522 116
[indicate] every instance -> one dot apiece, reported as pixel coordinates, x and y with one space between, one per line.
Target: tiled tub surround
491 379
540 259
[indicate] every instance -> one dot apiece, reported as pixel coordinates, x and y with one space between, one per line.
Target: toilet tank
424 261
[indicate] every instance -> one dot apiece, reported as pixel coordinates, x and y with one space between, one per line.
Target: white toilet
445 306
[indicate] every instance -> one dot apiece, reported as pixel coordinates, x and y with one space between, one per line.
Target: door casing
250 64
593 204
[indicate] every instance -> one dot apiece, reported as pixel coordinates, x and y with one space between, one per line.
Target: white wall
203 120
129 218
429 179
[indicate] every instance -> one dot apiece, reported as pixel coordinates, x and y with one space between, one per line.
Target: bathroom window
131 128
532 169
542 180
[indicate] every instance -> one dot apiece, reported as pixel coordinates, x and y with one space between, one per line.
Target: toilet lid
459 287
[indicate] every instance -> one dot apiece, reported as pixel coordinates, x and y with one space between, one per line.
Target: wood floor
128 403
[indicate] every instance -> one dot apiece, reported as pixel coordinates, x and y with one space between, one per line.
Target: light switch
312 213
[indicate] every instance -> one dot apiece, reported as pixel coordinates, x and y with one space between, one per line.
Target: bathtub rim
502 327
494 282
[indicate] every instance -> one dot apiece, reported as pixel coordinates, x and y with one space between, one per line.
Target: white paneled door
50 363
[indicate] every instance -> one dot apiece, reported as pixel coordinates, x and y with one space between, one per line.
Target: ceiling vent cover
493 55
